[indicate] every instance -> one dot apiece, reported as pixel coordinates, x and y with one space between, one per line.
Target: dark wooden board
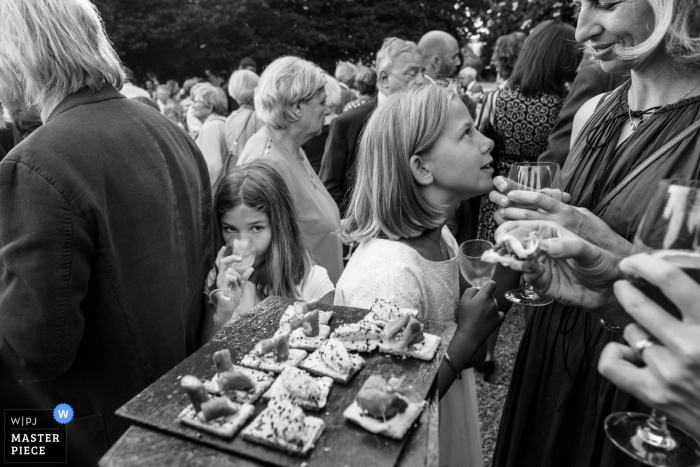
342 443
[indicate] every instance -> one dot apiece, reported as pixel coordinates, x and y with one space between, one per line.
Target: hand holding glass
543 177
669 230
244 247
474 270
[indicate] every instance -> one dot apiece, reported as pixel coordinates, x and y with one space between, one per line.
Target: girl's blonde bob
52 48
386 199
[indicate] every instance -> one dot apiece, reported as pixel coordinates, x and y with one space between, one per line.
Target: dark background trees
181 38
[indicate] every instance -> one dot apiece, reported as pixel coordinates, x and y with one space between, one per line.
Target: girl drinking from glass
254 201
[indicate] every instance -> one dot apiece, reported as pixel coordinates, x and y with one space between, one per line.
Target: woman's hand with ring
661 367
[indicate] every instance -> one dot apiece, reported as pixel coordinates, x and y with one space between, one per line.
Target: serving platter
342 443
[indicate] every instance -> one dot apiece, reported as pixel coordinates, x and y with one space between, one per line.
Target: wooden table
149 446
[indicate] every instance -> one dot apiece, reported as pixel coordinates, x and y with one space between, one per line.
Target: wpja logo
37 435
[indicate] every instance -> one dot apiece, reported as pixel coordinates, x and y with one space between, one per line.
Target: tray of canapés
292 375
303 381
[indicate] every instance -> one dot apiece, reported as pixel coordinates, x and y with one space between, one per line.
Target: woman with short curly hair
291 101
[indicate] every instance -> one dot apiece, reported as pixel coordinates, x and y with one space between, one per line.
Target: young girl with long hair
420 155
253 200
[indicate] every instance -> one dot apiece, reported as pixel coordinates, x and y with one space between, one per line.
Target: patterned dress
522 125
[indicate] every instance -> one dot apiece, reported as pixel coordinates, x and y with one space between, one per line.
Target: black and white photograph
352 233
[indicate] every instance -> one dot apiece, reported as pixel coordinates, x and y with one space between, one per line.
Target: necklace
439 242
640 113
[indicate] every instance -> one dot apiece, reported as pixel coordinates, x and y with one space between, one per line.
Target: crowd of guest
117 201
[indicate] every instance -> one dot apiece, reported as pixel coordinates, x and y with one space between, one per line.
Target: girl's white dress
396 272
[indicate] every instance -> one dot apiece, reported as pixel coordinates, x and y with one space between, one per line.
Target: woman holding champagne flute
557 402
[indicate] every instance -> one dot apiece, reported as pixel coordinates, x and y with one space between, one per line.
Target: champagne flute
669 229
474 270
239 245
544 177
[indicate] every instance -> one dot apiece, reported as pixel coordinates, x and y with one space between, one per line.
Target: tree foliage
180 38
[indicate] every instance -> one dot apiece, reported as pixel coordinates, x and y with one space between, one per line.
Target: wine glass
474 270
544 177
669 229
240 245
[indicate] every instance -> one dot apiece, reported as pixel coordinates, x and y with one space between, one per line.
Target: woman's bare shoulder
582 116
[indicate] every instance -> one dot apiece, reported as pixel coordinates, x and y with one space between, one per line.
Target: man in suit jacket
101 232
590 81
399 64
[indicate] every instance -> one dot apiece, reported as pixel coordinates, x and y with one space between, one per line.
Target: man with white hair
467 80
399 63
345 74
101 238
441 54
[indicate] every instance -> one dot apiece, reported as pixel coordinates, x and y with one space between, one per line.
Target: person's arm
335 160
46 253
477 318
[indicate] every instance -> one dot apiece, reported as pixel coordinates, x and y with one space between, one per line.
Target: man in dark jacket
101 225
399 63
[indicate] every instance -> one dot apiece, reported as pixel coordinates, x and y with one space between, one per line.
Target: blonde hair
676 25
334 93
242 86
386 198
212 97
393 48
52 48
283 85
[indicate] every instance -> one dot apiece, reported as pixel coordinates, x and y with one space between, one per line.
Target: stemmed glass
474 270
239 245
669 229
544 177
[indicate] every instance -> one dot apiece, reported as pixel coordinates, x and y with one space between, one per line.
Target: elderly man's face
450 62
407 68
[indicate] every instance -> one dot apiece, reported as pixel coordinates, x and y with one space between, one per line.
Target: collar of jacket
85 96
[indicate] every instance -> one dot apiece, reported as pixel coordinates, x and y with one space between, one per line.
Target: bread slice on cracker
262 431
261 379
299 340
315 365
396 427
267 362
316 403
225 427
324 317
362 336
383 311
424 350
